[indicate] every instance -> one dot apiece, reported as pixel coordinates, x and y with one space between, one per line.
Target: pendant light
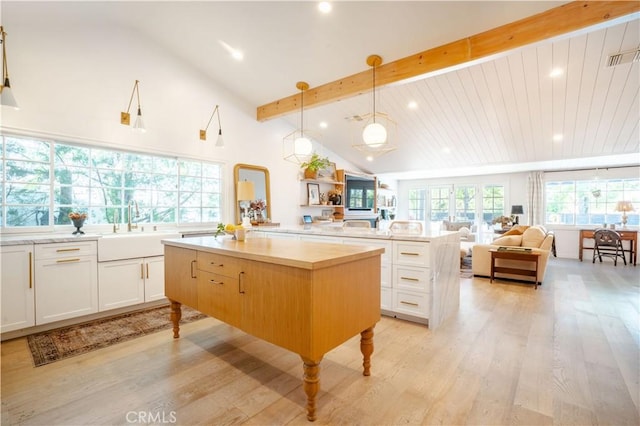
6 94
375 136
297 146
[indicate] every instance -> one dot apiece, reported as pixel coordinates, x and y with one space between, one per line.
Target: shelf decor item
78 221
313 165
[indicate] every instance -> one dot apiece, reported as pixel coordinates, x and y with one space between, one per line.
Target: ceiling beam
551 23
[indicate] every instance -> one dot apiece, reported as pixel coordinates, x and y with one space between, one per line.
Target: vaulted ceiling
500 112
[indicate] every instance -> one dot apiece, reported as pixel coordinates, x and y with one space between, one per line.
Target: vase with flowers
256 209
335 196
78 218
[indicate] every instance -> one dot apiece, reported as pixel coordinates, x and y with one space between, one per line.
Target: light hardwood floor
567 353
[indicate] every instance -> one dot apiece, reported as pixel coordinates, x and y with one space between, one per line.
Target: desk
303 296
625 235
524 256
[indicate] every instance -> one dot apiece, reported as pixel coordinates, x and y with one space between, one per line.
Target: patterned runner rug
465 267
54 345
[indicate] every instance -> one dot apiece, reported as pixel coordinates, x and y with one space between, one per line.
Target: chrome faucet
131 226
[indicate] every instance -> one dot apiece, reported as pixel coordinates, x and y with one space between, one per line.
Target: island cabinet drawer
411 253
65 250
219 297
412 278
410 303
218 264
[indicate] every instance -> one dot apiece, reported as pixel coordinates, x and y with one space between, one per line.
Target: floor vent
624 57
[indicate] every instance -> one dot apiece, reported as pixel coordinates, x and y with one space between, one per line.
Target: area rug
61 343
465 267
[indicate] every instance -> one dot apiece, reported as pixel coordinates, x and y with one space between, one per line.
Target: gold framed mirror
260 177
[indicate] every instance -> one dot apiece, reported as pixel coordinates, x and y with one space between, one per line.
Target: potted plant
314 164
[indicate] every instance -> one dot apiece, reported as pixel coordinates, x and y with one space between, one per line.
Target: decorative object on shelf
313 165
125 117
78 221
515 211
335 196
297 146
378 129
6 94
256 208
504 221
313 193
323 198
624 207
203 133
245 193
328 172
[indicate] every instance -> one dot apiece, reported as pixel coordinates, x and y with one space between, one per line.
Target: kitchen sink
129 245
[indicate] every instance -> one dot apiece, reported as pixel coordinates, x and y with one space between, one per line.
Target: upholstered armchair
466 229
535 237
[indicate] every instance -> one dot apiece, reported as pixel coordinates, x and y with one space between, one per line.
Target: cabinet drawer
65 250
408 278
417 304
219 297
411 253
219 264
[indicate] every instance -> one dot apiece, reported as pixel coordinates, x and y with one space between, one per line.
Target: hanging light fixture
376 130
125 117
297 146
6 94
203 133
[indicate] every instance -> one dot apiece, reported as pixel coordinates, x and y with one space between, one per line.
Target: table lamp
246 193
515 211
624 207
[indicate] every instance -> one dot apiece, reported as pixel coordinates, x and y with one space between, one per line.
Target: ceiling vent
624 57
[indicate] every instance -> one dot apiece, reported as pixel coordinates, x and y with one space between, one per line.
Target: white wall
72 83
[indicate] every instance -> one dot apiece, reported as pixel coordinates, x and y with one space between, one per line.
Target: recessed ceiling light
446 150
556 72
324 6
235 53
412 105
557 137
369 157
323 124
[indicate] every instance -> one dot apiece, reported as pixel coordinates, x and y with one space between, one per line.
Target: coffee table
515 254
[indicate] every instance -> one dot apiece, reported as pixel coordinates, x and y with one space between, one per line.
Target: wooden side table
515 254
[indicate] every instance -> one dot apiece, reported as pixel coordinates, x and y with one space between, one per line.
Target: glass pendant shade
6 97
374 135
138 125
302 146
219 141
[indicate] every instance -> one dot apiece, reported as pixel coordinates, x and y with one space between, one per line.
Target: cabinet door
180 275
121 283
17 285
153 278
66 288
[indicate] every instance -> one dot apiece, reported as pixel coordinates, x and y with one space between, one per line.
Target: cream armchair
534 237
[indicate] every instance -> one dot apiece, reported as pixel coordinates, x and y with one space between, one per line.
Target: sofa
466 229
535 237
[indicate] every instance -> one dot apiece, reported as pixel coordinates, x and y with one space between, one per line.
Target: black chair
608 243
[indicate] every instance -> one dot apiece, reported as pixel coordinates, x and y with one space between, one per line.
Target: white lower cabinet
386 276
130 281
412 278
18 290
66 280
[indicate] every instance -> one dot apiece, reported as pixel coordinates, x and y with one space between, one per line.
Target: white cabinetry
18 291
411 278
66 280
130 281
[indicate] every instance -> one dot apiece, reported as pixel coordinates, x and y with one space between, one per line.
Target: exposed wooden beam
551 23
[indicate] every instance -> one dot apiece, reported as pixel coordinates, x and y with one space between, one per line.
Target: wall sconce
246 193
624 207
203 133
376 138
6 94
515 211
125 117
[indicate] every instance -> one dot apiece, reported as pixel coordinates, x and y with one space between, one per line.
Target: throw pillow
516 230
533 237
510 240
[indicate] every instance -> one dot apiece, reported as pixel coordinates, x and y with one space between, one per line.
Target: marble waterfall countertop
338 231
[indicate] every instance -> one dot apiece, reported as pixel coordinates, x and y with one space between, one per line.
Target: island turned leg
311 385
366 347
176 314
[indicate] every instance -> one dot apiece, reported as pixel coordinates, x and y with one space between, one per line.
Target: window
465 203
492 202
590 202
417 204
439 203
43 181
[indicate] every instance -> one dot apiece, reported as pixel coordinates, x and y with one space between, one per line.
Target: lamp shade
624 206
517 210
246 190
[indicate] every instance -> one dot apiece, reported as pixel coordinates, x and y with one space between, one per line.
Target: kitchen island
302 296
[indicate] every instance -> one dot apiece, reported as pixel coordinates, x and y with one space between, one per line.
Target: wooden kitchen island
302 296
